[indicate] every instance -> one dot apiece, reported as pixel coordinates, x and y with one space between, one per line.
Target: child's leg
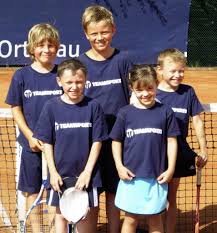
113 214
172 206
35 214
110 181
61 225
30 183
155 224
89 224
130 223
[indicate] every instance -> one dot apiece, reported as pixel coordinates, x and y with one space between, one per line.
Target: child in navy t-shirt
144 137
30 88
185 104
106 82
72 128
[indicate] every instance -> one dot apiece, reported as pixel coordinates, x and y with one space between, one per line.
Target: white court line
5 217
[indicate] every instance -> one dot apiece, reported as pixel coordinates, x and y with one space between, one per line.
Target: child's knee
89 223
31 197
60 222
131 219
155 223
60 218
92 215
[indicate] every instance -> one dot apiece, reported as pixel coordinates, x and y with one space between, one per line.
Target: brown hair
72 64
144 74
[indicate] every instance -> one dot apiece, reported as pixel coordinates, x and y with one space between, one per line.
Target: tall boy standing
106 81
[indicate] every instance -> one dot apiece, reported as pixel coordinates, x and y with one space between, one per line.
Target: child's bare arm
85 176
200 133
166 176
35 144
123 172
55 178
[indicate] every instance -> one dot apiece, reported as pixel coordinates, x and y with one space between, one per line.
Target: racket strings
41 219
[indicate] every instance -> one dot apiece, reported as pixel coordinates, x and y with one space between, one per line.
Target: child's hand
201 160
165 177
83 180
56 181
125 174
35 144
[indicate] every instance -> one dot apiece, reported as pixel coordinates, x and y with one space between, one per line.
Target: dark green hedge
202 40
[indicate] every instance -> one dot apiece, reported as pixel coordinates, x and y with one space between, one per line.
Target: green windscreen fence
202 37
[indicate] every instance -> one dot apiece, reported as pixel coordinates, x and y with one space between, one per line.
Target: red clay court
204 82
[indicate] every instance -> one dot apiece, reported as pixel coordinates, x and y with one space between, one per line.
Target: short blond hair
39 33
173 54
95 14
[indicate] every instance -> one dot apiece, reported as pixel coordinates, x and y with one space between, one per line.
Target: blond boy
30 87
106 81
184 102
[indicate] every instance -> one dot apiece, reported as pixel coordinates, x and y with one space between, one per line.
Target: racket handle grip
199 173
197 229
44 166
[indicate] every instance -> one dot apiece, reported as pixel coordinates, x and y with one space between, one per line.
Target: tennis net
9 166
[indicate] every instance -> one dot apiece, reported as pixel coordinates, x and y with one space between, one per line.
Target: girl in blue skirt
144 139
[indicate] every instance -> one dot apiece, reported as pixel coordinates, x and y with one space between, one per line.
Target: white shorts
141 196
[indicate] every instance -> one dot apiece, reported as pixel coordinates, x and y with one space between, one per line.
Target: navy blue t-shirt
72 128
30 90
107 82
144 134
184 103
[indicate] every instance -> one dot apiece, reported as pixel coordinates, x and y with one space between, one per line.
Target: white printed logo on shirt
56 126
102 83
29 93
180 110
132 132
88 84
70 125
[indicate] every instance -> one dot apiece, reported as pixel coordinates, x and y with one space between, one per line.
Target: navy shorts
93 195
109 172
30 178
185 164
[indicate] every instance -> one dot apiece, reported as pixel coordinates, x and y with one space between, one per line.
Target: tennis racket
74 203
197 214
40 217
